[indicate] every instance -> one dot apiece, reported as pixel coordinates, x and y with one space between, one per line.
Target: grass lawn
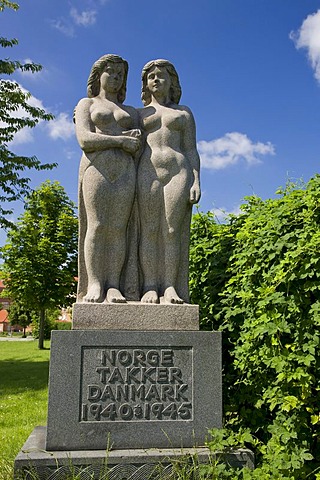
24 373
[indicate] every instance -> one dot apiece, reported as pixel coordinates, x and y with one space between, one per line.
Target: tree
49 324
14 185
40 256
20 315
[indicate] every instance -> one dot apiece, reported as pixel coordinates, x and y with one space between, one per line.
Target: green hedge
62 326
257 278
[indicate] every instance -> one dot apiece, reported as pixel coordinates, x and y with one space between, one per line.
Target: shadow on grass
21 375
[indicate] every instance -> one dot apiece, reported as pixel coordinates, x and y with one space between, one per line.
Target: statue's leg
94 186
121 198
176 194
150 201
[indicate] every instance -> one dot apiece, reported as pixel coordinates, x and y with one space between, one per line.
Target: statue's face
159 81
112 77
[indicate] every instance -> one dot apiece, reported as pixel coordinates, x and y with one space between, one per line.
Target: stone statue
168 185
108 135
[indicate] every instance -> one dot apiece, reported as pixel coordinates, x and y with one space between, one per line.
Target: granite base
133 389
33 459
135 316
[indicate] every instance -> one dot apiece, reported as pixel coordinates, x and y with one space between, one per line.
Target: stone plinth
114 464
133 389
135 316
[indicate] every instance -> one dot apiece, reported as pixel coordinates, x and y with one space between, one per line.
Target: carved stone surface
147 471
135 316
114 464
108 135
135 196
139 389
168 185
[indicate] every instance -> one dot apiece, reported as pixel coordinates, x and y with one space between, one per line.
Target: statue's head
175 90
93 85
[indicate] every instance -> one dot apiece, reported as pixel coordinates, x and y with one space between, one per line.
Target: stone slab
133 389
128 464
135 316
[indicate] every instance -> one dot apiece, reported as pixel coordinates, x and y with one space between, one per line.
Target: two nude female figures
124 172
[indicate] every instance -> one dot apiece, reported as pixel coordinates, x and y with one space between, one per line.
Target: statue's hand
135 132
131 144
195 193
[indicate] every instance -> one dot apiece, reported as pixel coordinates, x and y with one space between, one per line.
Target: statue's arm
136 131
134 114
191 153
92 141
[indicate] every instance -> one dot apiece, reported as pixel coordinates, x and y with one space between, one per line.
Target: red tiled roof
4 316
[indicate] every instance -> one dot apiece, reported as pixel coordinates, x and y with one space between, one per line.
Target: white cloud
33 101
61 127
308 36
63 26
25 135
97 3
28 73
222 213
85 18
231 149
70 154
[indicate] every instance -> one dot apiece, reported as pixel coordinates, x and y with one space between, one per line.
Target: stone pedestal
135 316
133 389
132 385
34 461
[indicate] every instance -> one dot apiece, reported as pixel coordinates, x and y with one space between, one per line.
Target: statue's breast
164 118
102 117
123 118
173 119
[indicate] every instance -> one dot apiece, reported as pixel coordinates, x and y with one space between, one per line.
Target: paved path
16 339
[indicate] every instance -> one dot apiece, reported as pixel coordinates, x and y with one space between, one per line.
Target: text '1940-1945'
136 384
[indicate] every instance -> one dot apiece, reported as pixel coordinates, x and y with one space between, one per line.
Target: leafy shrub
51 323
210 246
48 326
51 316
62 326
266 289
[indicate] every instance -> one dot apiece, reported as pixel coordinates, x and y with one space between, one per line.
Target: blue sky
249 70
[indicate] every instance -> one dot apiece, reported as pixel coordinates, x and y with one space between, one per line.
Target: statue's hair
93 85
175 89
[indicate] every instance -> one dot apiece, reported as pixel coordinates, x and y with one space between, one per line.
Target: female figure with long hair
168 185
108 135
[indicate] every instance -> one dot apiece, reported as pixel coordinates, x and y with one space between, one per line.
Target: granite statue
168 185
108 134
130 201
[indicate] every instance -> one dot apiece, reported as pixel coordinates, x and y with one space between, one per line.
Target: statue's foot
114 296
170 296
150 296
94 294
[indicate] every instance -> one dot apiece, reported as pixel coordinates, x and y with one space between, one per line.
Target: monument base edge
135 316
34 459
